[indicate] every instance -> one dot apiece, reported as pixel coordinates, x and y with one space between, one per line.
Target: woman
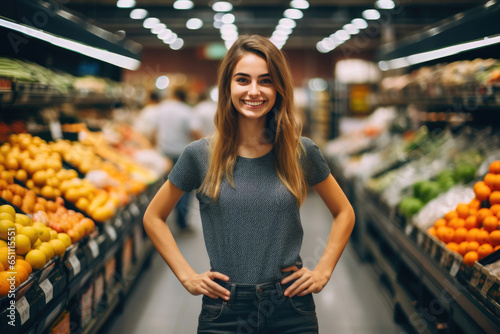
251 178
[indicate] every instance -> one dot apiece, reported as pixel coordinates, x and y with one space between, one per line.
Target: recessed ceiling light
162 82
138 14
351 29
228 18
150 22
177 44
158 28
194 23
385 4
289 23
371 14
299 4
222 6
170 39
360 23
165 34
342 35
294 14
125 3
183 4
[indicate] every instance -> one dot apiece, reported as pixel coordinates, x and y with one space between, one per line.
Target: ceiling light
177 44
228 44
194 24
289 23
158 28
228 27
218 17
170 39
321 48
279 37
165 34
351 29
150 22
385 4
222 6
360 23
218 24
342 35
162 82
227 18
283 29
229 35
138 14
294 14
125 3
183 4
371 14
299 4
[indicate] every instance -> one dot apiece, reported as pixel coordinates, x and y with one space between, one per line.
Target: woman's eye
241 80
266 81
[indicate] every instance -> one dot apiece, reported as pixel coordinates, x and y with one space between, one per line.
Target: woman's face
252 91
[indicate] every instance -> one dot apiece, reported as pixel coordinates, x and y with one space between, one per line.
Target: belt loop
233 293
279 289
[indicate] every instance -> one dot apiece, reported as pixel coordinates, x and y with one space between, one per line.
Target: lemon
36 258
58 246
8 209
30 232
23 244
64 237
23 219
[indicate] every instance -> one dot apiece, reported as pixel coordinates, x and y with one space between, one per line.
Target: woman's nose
253 89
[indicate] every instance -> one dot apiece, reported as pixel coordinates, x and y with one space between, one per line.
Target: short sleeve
187 173
313 163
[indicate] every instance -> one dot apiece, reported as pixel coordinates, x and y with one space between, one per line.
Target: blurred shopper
205 111
251 179
145 122
176 126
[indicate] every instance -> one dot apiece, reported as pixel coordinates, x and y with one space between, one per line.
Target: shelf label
48 290
75 264
474 281
94 248
23 307
488 283
408 229
434 247
118 222
55 130
110 230
455 267
444 259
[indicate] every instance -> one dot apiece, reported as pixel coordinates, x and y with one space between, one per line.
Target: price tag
444 259
55 130
48 290
23 307
134 209
408 229
94 248
434 247
110 230
420 238
75 264
455 267
488 283
474 281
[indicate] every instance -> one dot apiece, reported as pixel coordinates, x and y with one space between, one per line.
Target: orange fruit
496 248
22 273
484 250
448 235
495 167
496 182
495 209
475 204
440 222
456 223
495 238
432 230
450 215
460 234
483 237
471 222
494 197
25 264
489 179
441 231
470 258
462 248
471 235
453 246
482 191
490 223
4 284
483 213
472 246
462 210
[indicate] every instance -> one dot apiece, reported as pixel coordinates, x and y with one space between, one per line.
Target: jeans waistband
254 291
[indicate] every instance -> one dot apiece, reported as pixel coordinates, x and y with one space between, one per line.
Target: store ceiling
321 19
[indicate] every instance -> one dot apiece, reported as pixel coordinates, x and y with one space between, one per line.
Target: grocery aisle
352 302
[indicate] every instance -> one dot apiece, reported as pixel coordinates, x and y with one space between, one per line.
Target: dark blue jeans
261 309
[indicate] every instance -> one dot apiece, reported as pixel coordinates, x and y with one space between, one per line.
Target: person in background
205 111
251 178
145 122
176 126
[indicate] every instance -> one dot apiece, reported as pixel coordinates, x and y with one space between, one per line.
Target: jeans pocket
303 304
211 309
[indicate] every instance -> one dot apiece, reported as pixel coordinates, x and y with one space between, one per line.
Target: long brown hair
283 128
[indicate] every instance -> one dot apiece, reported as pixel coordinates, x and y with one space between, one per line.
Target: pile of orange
472 229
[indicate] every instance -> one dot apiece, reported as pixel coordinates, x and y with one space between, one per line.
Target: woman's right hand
204 284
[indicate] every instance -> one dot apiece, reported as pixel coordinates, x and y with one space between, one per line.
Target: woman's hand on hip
306 281
203 284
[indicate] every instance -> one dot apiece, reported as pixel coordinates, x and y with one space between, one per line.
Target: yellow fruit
72 195
3 243
36 258
39 177
23 244
58 246
47 249
9 209
43 234
37 243
82 204
18 227
7 228
23 220
65 238
22 175
53 234
6 216
39 225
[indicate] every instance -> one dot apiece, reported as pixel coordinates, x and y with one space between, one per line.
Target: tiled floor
352 302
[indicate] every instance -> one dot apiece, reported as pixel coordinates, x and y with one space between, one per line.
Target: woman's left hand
306 281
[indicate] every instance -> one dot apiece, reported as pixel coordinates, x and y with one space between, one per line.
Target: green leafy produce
410 206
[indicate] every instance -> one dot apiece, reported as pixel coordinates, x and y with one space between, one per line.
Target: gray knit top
253 230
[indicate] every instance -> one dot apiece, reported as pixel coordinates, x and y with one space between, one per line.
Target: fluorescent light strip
436 54
90 51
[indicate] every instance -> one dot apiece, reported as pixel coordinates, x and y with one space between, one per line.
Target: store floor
351 303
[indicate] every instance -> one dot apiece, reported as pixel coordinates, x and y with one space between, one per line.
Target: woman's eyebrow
247 75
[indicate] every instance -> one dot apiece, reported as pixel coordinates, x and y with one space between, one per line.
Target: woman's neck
252 140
